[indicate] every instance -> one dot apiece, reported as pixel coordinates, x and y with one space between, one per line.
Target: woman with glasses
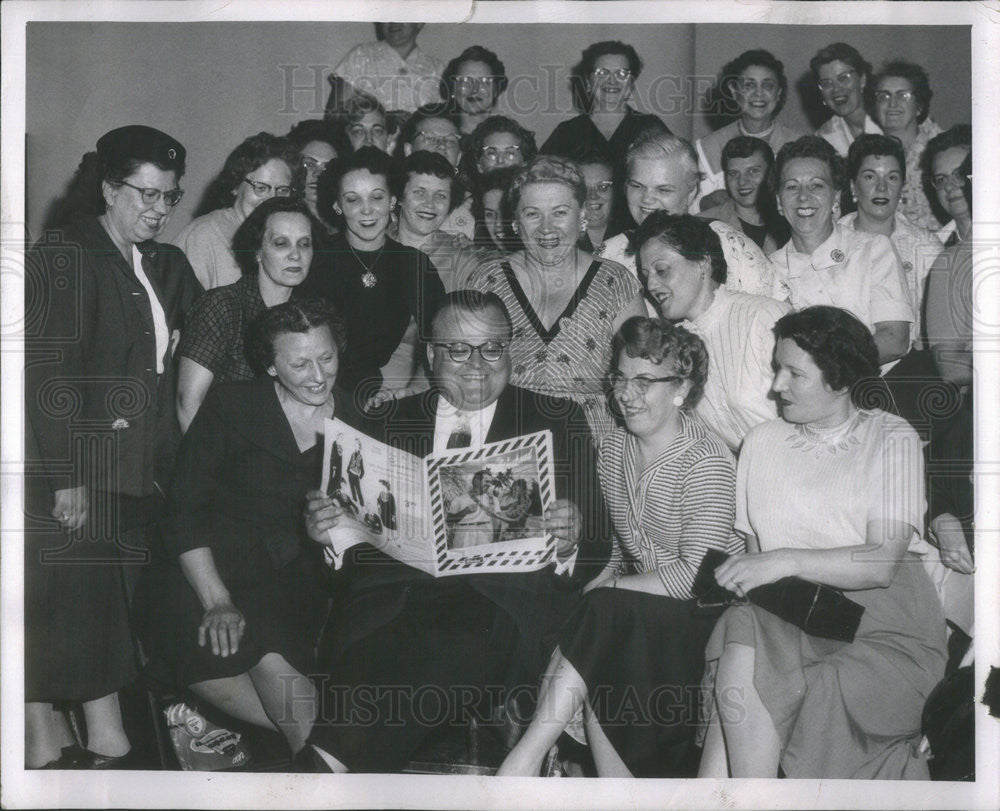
435 129
317 142
603 83
902 104
499 142
100 435
670 486
841 75
274 248
377 283
565 303
258 169
832 493
472 84
944 171
755 84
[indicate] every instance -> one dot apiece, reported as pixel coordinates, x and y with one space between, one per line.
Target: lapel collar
505 418
266 424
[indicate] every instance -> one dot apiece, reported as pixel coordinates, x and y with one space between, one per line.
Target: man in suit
409 652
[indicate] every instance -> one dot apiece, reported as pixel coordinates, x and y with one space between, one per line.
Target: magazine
459 511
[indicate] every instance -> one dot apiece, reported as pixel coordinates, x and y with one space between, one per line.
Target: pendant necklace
368 278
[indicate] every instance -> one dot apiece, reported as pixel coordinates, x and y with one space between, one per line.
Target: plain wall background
212 84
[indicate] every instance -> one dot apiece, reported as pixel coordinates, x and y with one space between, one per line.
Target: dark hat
141 143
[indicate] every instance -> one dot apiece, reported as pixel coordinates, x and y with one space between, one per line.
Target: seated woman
258 169
603 83
833 494
235 608
494 236
497 143
755 83
661 174
902 104
566 304
317 142
377 283
841 75
274 249
670 484
941 164
747 164
828 263
472 84
682 266
434 129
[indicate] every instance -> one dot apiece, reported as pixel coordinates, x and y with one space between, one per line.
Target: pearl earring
678 400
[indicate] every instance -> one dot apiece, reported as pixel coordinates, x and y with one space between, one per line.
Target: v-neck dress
239 489
642 655
571 358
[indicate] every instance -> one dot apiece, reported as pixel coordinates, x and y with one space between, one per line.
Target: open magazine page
382 486
487 506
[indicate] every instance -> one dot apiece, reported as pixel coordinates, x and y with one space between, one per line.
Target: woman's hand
223 626
70 508
947 535
564 522
741 573
321 514
381 397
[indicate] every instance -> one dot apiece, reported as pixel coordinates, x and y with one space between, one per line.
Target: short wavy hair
470 301
760 58
294 315
316 129
474 53
428 112
839 344
491 126
745 146
249 237
840 52
809 146
959 135
661 342
497 180
916 76
423 162
368 158
253 153
692 237
872 144
547 169
653 144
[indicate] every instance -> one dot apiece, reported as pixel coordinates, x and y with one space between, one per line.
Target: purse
814 608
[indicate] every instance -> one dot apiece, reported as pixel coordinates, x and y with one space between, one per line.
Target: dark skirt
642 657
284 610
77 641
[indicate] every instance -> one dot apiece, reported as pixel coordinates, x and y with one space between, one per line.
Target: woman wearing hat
100 433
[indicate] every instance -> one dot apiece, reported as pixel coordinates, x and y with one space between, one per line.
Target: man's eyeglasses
959 178
641 383
264 189
152 196
460 351
469 82
621 74
507 153
901 96
842 80
359 132
434 141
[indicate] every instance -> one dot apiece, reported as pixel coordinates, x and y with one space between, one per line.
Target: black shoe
308 761
92 760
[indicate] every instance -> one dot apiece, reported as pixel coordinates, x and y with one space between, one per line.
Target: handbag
814 608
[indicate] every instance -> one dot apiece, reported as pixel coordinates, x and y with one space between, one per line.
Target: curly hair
839 344
959 135
491 126
754 58
809 146
316 129
295 315
428 112
249 237
840 52
661 342
580 75
873 145
474 53
368 158
253 153
423 162
918 79
547 169
692 237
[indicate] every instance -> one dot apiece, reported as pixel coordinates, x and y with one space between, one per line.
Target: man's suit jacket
379 588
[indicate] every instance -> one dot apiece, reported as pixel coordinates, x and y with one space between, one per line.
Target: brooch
908 267
837 255
369 279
